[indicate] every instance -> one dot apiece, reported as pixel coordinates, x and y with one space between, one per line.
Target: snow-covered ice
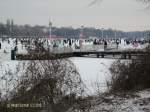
93 71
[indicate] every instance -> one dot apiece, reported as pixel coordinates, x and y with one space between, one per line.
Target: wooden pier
99 54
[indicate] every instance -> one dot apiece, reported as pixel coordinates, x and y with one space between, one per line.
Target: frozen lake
93 71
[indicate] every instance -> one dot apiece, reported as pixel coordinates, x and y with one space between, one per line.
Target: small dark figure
76 47
128 42
15 49
117 44
95 42
16 41
5 51
0 45
55 45
105 45
70 42
8 41
65 41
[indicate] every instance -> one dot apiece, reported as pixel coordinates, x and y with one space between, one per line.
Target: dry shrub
52 83
132 75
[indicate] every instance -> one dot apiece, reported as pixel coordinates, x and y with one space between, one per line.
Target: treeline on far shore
9 28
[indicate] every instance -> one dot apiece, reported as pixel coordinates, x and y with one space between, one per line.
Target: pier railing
84 48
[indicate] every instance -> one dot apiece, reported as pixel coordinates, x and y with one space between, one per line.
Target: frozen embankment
94 71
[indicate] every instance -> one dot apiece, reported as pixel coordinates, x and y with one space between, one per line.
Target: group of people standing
73 43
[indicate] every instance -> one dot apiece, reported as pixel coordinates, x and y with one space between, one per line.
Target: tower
81 33
11 26
50 29
102 30
8 27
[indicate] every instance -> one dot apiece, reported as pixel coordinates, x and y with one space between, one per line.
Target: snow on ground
4 56
97 69
131 102
9 44
5 50
21 48
93 71
132 47
10 71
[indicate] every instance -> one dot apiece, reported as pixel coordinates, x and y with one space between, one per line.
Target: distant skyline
126 15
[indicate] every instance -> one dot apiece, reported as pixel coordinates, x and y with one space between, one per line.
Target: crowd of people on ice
72 43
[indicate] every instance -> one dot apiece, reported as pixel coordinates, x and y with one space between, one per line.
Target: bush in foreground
50 83
131 75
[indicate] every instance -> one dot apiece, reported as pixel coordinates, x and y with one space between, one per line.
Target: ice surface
93 71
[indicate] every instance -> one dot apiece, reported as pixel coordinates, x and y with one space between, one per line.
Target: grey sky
126 15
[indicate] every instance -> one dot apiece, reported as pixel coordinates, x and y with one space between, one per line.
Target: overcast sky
127 15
